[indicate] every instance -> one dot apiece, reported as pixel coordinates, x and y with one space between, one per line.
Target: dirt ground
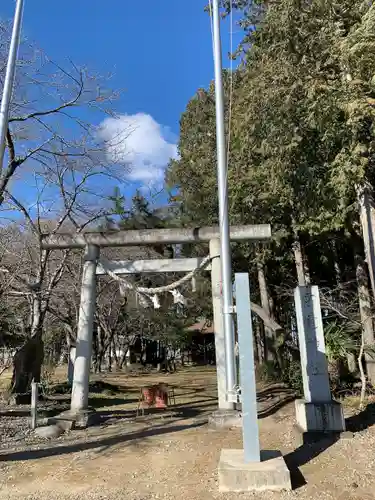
173 454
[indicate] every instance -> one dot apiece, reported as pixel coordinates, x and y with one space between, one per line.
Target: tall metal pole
222 175
9 77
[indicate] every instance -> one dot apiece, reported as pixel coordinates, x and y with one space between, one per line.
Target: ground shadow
15 413
103 401
278 395
193 411
89 445
273 389
191 392
275 407
304 454
172 412
296 477
102 394
307 452
105 415
363 420
95 387
264 412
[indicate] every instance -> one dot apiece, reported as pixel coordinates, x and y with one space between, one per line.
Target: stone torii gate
92 242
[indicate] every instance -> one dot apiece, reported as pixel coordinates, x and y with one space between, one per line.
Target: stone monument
317 413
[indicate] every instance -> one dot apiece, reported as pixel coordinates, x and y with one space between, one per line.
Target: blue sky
159 51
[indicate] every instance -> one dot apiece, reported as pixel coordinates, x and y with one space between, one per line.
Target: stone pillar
80 391
317 412
218 325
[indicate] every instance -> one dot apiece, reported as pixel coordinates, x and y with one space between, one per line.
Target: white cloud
141 143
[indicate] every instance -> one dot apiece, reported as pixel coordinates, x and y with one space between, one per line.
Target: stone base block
270 474
225 419
49 431
319 417
72 419
63 420
52 427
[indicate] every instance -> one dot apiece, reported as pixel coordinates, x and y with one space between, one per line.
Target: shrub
292 376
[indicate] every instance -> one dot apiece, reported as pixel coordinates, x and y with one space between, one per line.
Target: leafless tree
46 120
35 272
65 182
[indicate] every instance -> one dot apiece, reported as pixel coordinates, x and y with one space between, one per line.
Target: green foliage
300 110
339 341
268 372
292 376
301 124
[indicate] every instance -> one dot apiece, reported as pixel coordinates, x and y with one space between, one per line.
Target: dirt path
175 456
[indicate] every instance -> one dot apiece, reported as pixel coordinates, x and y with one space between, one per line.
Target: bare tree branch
24 211
55 110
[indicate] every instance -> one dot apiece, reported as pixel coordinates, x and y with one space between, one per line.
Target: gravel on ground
174 455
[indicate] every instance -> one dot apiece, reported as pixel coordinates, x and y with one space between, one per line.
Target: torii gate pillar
80 389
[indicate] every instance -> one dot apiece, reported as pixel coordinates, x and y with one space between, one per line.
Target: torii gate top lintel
142 237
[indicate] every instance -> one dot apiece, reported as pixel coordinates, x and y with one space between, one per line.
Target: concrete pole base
225 419
270 474
319 417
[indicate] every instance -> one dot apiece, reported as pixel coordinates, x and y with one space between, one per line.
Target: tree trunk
28 360
158 356
258 333
71 345
270 336
352 363
122 358
336 296
363 375
367 217
114 354
303 276
334 372
336 264
95 348
256 337
364 298
100 347
110 357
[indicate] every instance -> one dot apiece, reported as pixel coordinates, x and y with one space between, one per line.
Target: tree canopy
299 115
